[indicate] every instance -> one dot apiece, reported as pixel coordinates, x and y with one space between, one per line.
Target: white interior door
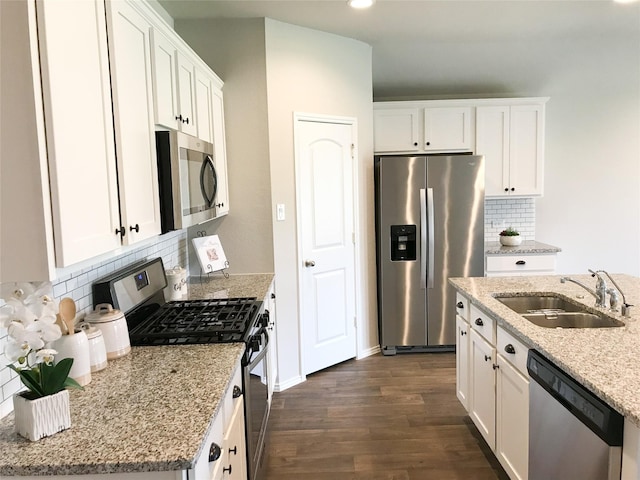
326 242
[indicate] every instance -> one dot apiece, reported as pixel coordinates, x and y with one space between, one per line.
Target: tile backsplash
519 213
77 285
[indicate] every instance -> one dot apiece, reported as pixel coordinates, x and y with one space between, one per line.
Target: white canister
75 346
97 348
176 288
113 325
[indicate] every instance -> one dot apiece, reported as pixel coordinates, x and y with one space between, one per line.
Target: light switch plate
280 216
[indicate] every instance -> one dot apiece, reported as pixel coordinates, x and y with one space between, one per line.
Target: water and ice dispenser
403 243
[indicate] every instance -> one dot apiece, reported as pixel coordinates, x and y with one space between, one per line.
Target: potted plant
510 237
29 315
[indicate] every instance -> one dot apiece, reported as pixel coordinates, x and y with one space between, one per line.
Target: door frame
299 117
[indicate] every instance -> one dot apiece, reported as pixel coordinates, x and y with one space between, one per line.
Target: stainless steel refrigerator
429 227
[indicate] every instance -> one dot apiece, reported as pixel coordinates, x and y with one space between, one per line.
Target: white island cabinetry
493 363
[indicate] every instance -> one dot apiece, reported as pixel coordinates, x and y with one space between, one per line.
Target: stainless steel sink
572 320
534 304
551 311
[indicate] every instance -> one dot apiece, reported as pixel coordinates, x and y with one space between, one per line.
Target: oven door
256 405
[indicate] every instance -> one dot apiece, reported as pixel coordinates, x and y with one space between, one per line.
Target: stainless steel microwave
188 180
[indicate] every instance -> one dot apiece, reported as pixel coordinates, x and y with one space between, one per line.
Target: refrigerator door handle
423 238
430 235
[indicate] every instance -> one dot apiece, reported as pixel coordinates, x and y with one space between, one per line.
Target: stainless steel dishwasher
572 433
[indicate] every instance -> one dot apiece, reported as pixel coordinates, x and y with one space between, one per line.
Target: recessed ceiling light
360 3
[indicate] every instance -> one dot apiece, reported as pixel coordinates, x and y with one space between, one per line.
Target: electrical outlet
280 216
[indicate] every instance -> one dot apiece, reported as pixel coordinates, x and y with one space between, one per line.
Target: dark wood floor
380 418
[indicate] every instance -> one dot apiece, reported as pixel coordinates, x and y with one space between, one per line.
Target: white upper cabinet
204 105
220 153
130 60
511 137
186 95
165 86
447 129
79 129
396 130
422 127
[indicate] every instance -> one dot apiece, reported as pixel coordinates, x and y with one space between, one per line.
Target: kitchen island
605 360
149 411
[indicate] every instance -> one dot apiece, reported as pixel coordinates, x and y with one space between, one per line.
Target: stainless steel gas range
137 290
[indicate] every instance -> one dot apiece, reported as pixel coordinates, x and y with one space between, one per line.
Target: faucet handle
614 299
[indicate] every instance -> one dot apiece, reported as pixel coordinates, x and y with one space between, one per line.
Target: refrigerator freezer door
457 224
401 299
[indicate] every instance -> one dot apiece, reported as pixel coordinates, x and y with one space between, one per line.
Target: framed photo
210 253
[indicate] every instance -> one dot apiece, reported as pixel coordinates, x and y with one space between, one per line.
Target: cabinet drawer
521 263
513 350
483 324
462 306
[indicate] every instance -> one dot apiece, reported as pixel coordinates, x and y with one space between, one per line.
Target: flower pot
510 241
43 416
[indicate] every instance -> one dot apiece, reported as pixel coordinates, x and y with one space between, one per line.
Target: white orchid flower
15 351
28 334
48 328
45 355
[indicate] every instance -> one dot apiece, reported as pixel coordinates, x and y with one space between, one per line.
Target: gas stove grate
195 321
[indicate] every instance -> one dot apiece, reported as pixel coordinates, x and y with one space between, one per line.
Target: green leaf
71 383
30 379
55 376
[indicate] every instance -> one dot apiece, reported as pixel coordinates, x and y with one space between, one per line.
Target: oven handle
247 360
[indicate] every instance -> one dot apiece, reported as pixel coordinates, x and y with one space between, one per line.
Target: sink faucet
599 293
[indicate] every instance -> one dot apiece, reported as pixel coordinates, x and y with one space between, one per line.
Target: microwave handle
206 165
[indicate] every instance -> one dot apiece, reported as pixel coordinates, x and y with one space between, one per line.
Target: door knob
309 263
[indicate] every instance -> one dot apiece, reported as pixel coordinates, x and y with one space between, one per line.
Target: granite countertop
148 411
527 246
605 360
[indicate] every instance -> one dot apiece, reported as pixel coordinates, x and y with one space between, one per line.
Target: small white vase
43 416
510 241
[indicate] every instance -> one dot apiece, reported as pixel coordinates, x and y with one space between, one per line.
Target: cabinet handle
218 205
509 349
495 367
513 189
460 305
186 120
225 469
506 189
415 144
273 295
428 143
234 450
214 452
136 228
179 117
462 332
479 322
521 262
487 358
121 231
237 391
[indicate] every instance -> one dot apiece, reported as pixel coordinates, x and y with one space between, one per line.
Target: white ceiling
399 31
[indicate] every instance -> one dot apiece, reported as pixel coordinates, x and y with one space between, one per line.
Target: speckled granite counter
254 285
527 246
605 360
147 411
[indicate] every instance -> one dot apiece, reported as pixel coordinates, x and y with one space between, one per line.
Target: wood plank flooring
379 418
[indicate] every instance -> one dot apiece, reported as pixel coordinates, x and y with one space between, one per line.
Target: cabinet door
447 129
165 89
462 361
130 61
482 396
526 149
492 141
396 130
272 361
204 106
186 95
512 420
220 153
79 129
235 467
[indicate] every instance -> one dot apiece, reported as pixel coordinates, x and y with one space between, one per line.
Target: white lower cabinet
520 265
272 360
492 383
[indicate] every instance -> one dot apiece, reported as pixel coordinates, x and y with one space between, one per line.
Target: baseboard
292 382
369 352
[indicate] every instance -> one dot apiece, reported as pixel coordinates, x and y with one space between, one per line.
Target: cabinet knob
186 120
237 391
495 367
214 452
479 322
218 205
234 450
415 144
487 358
273 295
179 117
462 333
506 189
225 469
428 143
509 348
513 189
136 228
309 263
460 305
121 231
